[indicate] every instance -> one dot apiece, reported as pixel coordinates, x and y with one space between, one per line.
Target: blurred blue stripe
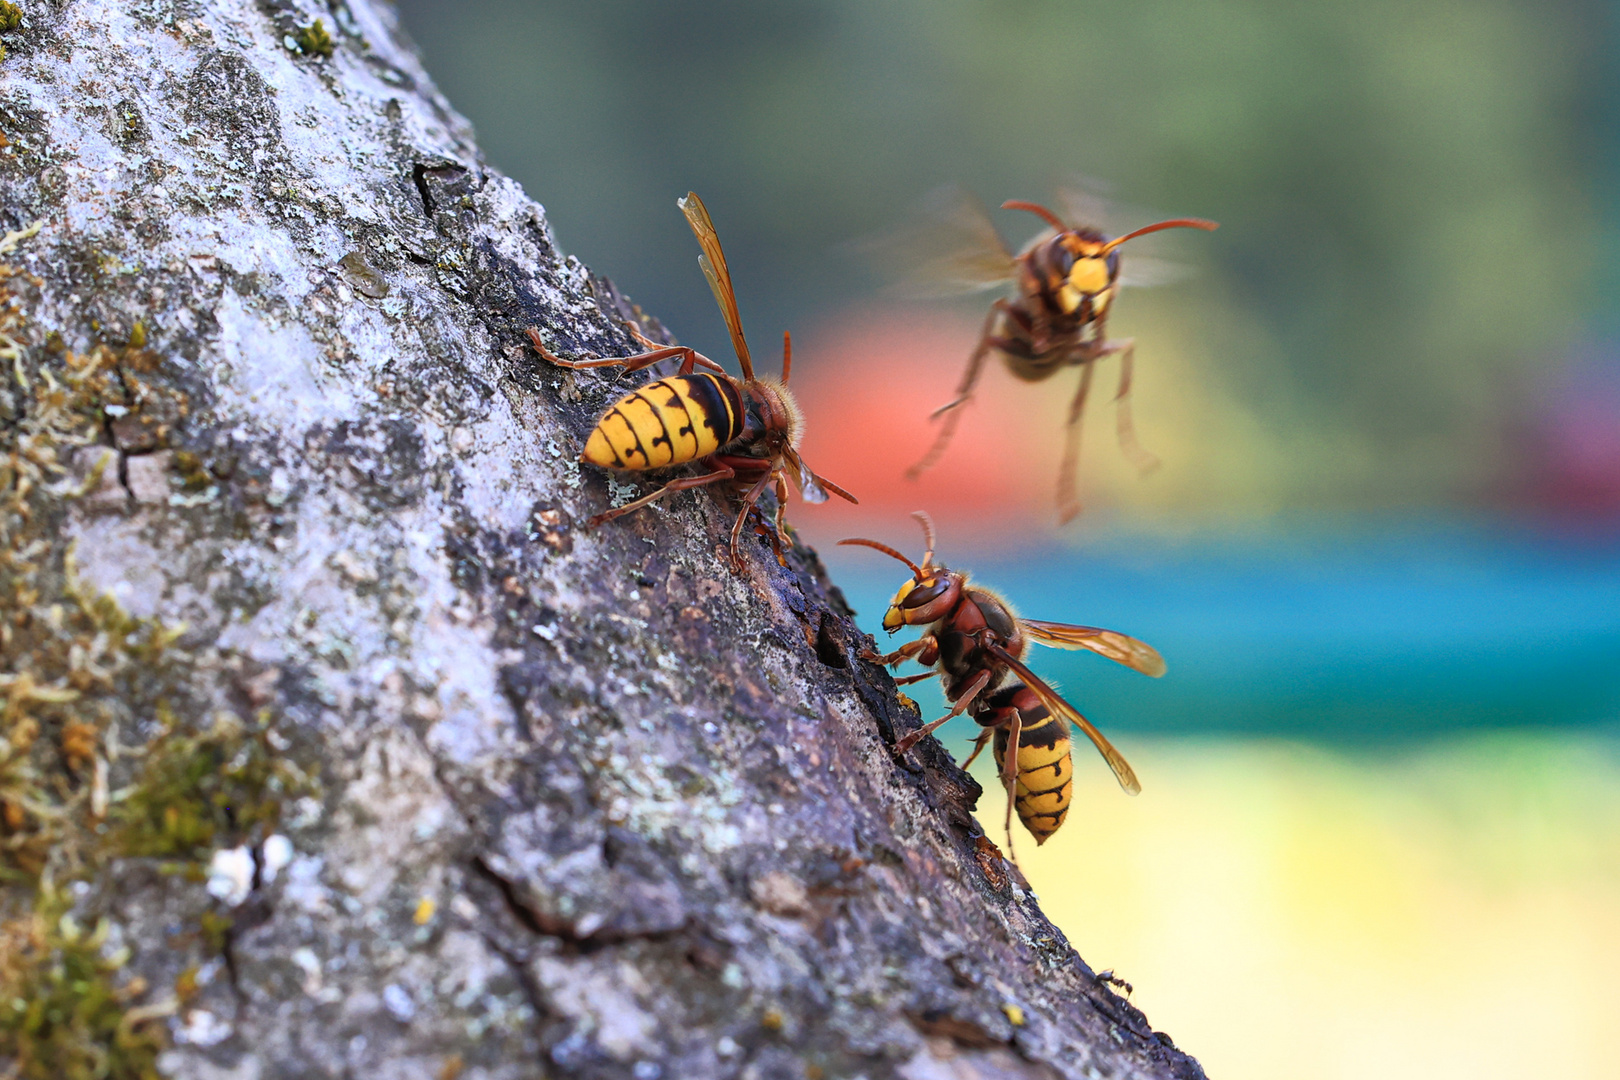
1363 636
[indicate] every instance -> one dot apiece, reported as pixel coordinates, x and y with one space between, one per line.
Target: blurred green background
1382 792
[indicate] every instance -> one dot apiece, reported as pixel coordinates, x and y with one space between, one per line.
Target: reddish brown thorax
980 616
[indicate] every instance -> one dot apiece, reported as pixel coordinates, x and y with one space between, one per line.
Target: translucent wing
814 488
1145 271
949 247
713 262
803 478
1060 708
1084 202
1118 647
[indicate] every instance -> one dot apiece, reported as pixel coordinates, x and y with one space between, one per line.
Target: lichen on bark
335 743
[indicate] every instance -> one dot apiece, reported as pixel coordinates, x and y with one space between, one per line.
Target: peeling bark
527 799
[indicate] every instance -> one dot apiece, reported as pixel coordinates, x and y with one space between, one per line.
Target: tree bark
333 742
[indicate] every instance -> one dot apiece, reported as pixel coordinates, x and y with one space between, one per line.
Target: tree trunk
333 742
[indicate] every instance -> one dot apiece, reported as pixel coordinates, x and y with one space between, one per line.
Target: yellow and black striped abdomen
668 422
1045 771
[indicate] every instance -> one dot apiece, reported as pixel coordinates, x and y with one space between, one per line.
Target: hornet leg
925 649
689 357
1009 776
1144 460
749 500
978 747
974 688
1067 495
683 484
909 679
963 392
781 519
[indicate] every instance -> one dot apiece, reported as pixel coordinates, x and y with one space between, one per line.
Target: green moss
10 16
313 40
67 657
75 666
199 792
193 471
65 1009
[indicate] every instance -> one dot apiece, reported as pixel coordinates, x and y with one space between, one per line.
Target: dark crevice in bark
562 930
233 972
531 920
419 177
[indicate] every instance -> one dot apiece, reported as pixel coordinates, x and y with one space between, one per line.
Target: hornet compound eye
929 590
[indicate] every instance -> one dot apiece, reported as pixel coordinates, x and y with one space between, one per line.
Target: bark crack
419 175
542 924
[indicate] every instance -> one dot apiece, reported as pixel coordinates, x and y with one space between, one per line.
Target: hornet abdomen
1045 766
668 422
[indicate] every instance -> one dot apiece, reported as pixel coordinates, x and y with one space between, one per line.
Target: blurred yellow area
1289 911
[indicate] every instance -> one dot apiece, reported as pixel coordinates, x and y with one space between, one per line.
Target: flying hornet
976 645
745 432
1065 282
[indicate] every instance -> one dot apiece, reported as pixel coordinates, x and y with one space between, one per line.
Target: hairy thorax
961 636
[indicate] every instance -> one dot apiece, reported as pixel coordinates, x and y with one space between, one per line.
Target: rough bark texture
333 744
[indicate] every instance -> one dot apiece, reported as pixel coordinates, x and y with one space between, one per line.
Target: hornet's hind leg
685 483
964 392
690 358
1144 460
1009 776
1068 496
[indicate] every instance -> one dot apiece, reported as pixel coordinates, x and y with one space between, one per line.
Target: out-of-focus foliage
1403 187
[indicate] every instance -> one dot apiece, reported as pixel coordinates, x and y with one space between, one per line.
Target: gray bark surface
502 796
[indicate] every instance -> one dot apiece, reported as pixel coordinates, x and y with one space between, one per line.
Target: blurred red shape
867 380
